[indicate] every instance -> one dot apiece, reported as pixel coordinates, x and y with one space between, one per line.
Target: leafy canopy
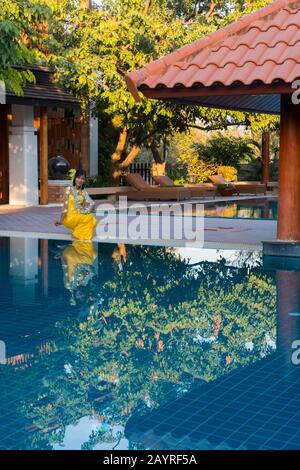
21 26
93 51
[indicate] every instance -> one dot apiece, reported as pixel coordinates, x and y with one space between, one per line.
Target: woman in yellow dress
77 209
77 262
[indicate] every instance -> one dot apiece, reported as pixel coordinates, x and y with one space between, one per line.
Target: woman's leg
85 227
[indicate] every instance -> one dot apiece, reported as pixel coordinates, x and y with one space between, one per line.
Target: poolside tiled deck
39 222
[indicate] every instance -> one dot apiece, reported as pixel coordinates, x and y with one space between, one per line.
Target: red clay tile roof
262 47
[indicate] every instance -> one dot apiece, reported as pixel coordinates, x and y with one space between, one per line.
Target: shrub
227 151
229 173
98 181
192 168
201 170
178 172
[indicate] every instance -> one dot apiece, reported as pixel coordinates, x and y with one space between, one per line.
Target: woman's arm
89 201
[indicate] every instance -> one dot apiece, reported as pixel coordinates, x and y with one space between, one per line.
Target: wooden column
265 177
85 143
44 157
289 172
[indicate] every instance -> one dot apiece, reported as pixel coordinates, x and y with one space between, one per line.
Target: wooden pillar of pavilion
44 156
85 143
265 177
289 172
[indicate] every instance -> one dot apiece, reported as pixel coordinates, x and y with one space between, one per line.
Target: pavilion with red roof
251 65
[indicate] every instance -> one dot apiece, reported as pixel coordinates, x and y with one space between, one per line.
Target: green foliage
71 174
185 163
20 31
200 170
98 181
227 151
92 52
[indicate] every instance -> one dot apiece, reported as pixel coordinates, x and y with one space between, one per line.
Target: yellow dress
82 225
74 256
77 263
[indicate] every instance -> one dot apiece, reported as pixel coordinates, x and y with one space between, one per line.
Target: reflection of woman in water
77 210
77 263
120 255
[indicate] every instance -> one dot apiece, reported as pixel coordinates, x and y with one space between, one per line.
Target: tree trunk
265 177
117 155
117 166
120 167
158 169
147 6
130 157
86 4
211 9
155 152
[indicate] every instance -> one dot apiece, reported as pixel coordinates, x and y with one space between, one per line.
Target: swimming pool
112 346
242 208
262 208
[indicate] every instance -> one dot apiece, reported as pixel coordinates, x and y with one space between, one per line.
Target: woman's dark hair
77 175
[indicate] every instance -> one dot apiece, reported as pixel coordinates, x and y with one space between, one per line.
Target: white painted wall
23 157
93 146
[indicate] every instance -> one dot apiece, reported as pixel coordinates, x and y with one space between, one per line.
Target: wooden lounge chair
197 190
146 192
241 187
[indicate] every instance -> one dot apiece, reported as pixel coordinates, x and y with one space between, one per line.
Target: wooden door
4 186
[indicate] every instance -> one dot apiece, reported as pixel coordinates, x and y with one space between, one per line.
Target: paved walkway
218 232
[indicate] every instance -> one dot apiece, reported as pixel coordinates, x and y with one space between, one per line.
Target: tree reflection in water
152 326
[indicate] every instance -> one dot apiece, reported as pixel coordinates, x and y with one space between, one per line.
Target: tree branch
130 157
211 9
147 6
86 4
116 156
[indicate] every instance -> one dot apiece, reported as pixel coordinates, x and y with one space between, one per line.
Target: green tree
94 50
21 27
227 151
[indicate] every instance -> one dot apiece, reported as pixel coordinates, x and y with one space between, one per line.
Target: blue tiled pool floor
134 347
252 408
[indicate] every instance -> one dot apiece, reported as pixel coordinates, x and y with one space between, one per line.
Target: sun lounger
146 192
241 187
197 190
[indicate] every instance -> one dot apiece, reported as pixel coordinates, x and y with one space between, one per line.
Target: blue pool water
133 347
